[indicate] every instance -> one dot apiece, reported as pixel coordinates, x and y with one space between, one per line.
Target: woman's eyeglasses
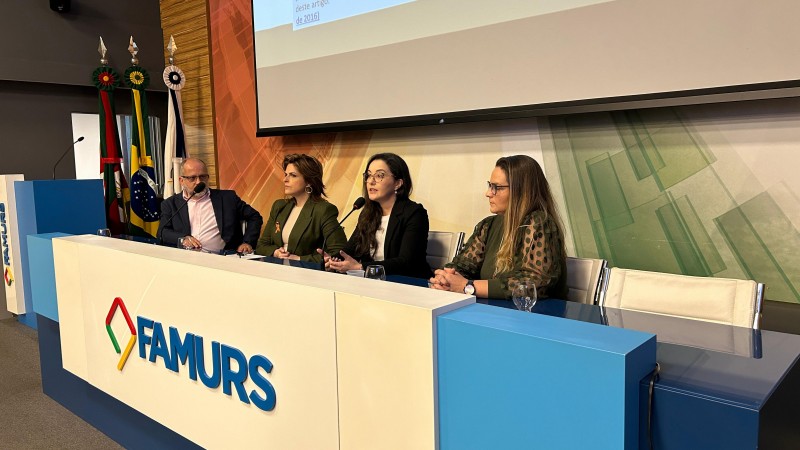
377 176
194 178
494 187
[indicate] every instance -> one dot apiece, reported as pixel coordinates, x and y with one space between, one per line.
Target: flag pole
145 209
175 140
116 192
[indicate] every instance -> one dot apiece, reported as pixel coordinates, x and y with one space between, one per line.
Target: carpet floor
29 419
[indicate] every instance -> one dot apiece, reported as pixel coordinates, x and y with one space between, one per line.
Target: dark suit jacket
406 242
317 219
230 211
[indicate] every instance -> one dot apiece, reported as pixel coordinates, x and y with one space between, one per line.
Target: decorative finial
171 48
133 49
102 50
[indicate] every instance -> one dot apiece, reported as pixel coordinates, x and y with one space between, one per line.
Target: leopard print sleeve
538 257
468 263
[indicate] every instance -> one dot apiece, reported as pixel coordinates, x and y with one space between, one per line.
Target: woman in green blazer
298 225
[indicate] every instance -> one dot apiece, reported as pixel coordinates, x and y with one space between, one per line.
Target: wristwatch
469 289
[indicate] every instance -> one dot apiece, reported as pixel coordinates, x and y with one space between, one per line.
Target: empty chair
720 300
584 279
443 246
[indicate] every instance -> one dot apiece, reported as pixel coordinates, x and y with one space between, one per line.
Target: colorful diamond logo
119 304
8 277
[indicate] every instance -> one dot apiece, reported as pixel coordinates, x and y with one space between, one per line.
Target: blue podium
49 206
509 379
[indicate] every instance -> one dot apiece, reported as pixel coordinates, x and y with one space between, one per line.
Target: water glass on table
523 293
375 272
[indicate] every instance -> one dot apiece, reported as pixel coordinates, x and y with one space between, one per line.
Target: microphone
65 154
358 204
197 189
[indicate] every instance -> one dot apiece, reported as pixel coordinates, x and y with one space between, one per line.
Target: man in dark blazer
211 219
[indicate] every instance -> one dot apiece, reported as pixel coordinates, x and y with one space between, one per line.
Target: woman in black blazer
392 230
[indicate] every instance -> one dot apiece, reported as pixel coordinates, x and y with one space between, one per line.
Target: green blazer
317 219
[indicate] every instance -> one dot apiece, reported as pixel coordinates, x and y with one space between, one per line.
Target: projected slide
279 24
324 63
314 12
305 13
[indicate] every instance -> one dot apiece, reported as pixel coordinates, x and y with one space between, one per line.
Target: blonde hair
529 191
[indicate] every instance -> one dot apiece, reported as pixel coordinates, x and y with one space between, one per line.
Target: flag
174 143
116 190
144 205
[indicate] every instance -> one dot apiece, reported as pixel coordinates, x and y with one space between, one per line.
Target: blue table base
117 420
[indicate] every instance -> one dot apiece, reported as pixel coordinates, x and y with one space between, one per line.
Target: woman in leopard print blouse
523 239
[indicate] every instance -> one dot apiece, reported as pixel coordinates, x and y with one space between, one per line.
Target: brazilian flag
145 210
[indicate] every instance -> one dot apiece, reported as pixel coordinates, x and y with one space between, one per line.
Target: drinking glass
104 232
375 273
523 293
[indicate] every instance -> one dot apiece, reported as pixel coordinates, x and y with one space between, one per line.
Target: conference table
718 386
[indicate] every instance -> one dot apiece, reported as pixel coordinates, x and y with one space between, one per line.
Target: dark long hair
529 192
370 218
311 170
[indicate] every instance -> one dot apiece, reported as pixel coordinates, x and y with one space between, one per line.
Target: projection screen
339 64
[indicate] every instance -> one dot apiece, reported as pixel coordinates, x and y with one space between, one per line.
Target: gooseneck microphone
197 189
358 204
65 154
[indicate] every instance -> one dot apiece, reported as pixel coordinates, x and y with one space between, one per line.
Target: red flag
116 187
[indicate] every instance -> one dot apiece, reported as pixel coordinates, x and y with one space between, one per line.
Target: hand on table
343 263
281 253
191 242
448 279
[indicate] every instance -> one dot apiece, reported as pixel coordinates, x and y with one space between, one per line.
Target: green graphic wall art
645 190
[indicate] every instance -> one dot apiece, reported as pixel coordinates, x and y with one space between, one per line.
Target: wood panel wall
187 21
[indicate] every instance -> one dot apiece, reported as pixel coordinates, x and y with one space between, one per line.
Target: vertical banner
175 142
116 190
9 244
145 209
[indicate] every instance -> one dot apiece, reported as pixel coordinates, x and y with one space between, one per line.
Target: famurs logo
118 303
223 365
8 276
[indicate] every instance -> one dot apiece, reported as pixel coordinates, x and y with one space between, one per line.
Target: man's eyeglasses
493 187
193 178
377 176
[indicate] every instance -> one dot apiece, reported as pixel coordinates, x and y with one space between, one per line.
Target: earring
309 189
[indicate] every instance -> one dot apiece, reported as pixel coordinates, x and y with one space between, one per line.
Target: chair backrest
443 246
584 279
719 300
